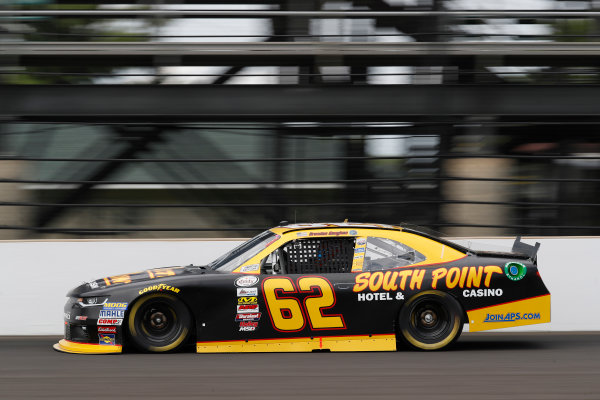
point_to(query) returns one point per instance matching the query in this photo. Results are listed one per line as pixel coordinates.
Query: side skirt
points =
(381, 342)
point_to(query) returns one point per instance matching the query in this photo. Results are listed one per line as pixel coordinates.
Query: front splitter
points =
(67, 346)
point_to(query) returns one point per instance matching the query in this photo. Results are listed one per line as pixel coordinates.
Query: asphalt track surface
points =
(482, 366)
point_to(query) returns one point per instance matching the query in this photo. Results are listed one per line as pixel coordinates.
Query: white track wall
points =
(36, 275)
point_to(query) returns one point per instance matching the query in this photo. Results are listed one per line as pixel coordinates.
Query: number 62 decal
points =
(289, 314)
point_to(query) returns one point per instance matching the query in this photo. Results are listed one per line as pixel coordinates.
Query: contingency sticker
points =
(359, 254)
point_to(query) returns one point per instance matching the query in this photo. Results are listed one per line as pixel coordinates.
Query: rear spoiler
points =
(524, 248)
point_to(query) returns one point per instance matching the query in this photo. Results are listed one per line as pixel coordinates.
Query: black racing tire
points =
(159, 323)
(430, 320)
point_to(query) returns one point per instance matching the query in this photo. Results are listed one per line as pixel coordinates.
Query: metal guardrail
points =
(185, 13)
(257, 49)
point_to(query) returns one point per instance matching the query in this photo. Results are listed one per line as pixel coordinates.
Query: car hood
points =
(150, 275)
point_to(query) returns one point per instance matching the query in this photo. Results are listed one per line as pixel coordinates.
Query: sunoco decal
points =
(107, 339)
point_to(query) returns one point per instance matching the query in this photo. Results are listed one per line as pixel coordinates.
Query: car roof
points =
(285, 228)
(329, 225)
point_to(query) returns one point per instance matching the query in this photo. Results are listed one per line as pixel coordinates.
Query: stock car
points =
(310, 287)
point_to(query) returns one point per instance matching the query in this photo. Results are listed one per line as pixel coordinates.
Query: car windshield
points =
(236, 257)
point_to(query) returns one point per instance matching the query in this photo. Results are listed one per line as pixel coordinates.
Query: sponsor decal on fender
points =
(81, 317)
(247, 300)
(110, 321)
(515, 271)
(250, 268)
(248, 326)
(107, 329)
(112, 314)
(248, 317)
(482, 292)
(392, 280)
(251, 291)
(115, 306)
(107, 339)
(247, 308)
(246, 281)
(160, 288)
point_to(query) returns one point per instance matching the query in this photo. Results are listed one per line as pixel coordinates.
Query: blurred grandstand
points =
(217, 118)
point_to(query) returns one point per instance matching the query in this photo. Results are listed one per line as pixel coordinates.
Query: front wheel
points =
(158, 323)
(430, 320)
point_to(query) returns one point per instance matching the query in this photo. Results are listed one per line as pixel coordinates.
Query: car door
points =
(309, 290)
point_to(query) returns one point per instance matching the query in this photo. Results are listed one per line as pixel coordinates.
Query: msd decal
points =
(248, 326)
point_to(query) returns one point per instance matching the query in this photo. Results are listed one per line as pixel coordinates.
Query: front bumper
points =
(83, 335)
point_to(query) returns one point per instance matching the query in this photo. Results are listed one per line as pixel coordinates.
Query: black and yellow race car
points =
(304, 287)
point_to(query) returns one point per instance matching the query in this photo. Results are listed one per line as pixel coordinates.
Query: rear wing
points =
(526, 249)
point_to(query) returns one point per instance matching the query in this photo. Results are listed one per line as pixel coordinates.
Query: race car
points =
(310, 287)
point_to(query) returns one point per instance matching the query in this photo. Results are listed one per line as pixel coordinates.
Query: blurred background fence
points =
(200, 118)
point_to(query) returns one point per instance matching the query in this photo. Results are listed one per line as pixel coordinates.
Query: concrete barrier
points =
(36, 275)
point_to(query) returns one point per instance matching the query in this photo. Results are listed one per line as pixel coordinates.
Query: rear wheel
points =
(430, 320)
(159, 323)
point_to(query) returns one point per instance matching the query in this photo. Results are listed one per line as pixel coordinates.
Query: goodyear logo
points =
(159, 288)
(247, 300)
(115, 306)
